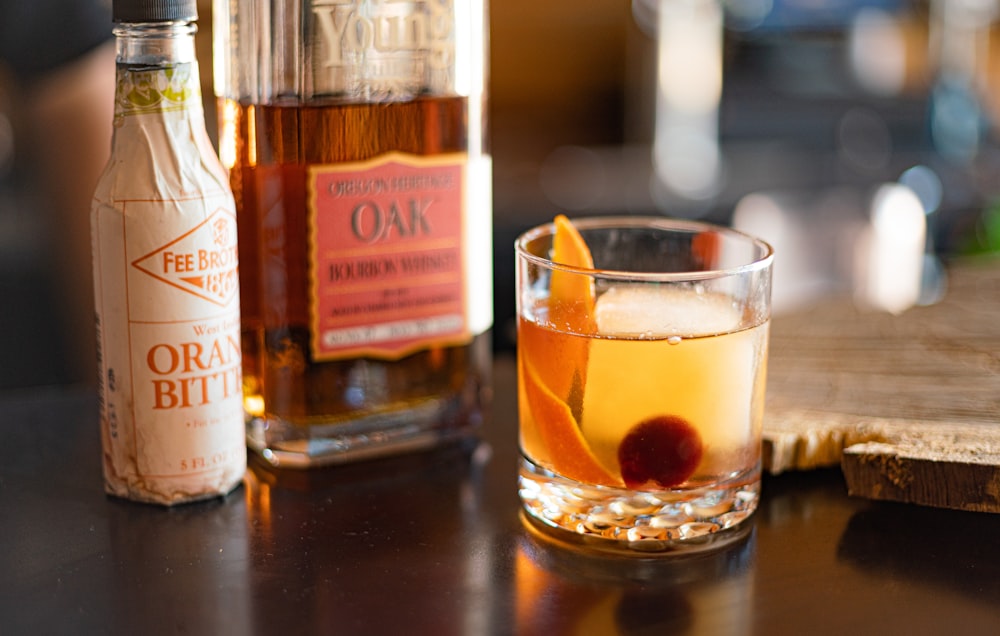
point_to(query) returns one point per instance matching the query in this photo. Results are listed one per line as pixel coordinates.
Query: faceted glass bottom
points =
(639, 523)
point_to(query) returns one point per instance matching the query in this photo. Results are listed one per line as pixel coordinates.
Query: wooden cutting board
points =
(907, 405)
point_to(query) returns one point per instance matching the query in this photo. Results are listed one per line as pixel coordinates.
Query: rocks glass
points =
(641, 379)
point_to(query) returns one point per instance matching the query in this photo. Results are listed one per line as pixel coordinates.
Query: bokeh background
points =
(859, 136)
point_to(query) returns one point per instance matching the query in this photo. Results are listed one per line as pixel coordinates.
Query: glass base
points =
(637, 523)
(421, 427)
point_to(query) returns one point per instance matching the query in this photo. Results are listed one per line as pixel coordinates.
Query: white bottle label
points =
(165, 266)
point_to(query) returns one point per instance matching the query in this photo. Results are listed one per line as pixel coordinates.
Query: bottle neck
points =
(155, 43)
(157, 71)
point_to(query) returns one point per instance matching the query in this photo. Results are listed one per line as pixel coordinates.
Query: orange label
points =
(202, 261)
(386, 255)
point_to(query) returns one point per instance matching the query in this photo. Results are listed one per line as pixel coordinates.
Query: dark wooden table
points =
(432, 544)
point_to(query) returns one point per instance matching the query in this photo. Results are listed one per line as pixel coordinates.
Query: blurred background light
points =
(802, 269)
(926, 184)
(686, 155)
(877, 48)
(889, 258)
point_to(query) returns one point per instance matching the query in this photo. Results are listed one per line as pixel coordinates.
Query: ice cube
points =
(657, 311)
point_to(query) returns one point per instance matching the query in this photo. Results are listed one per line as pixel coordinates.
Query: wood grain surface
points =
(908, 404)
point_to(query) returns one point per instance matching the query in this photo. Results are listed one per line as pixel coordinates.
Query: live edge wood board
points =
(908, 405)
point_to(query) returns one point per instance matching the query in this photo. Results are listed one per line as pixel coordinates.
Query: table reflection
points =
(884, 539)
(565, 591)
(327, 533)
(171, 557)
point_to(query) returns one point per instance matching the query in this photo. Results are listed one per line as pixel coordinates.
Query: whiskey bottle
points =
(354, 132)
(165, 260)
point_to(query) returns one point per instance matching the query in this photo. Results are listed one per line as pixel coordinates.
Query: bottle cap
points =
(154, 10)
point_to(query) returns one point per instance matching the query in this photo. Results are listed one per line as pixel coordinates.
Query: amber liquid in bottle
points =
(301, 403)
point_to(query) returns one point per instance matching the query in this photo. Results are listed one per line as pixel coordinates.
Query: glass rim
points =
(658, 222)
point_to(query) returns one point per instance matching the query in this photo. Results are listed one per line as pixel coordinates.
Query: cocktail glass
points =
(642, 357)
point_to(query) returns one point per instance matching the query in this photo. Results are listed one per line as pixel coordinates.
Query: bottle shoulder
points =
(163, 156)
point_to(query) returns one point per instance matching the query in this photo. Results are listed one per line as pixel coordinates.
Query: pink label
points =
(386, 256)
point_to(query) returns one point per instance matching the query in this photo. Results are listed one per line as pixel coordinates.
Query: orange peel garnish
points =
(557, 430)
(571, 295)
(706, 246)
(561, 359)
(528, 435)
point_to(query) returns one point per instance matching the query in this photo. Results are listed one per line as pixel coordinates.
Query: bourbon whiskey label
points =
(388, 273)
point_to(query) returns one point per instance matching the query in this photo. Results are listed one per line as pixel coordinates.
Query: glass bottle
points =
(355, 136)
(164, 237)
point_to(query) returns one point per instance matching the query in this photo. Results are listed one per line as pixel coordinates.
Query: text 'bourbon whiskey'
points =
(358, 161)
